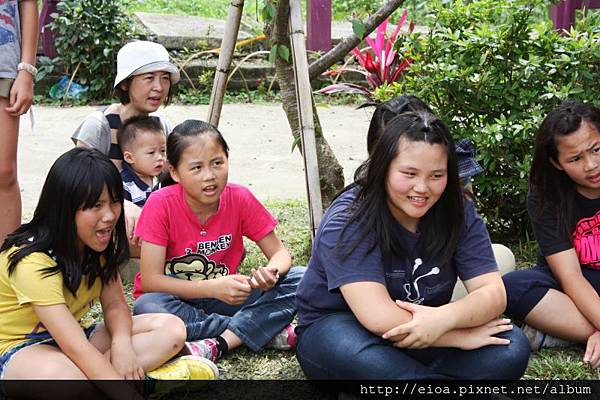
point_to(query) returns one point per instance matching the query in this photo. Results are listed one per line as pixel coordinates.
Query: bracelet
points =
(23, 66)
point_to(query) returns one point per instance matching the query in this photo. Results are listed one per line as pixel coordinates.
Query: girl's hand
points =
(480, 336)
(124, 360)
(426, 326)
(592, 350)
(21, 94)
(232, 289)
(264, 278)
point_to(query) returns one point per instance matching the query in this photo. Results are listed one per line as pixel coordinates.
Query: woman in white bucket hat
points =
(143, 83)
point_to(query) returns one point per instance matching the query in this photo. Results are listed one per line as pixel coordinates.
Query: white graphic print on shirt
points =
(413, 292)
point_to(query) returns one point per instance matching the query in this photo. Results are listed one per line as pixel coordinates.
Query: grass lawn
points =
(341, 9)
(202, 8)
(294, 231)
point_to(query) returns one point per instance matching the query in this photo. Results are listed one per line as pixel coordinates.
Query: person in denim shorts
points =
(18, 43)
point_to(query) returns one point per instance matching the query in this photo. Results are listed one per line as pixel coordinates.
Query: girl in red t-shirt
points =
(192, 244)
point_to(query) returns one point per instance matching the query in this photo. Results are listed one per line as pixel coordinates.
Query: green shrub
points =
(342, 8)
(89, 33)
(492, 74)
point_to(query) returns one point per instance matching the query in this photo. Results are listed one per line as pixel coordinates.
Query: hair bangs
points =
(181, 136)
(91, 182)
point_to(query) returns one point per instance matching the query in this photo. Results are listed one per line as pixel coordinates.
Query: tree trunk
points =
(330, 171)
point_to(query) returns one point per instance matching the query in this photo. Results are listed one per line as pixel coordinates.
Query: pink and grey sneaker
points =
(540, 340)
(206, 348)
(284, 340)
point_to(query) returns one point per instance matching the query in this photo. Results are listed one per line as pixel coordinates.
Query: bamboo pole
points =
(305, 112)
(232, 27)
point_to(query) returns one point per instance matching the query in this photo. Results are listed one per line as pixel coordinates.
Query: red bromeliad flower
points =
(381, 63)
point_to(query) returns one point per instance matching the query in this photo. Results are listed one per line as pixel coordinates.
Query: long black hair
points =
(545, 180)
(75, 182)
(443, 223)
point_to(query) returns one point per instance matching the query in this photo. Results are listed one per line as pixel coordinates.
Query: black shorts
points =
(525, 288)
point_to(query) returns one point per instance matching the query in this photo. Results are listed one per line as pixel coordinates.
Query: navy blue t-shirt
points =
(409, 279)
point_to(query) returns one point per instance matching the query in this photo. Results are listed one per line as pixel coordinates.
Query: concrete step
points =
(177, 32)
(253, 71)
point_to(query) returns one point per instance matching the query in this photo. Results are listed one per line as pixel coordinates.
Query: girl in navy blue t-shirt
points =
(374, 302)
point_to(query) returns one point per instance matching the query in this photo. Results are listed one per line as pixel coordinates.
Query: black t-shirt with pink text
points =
(585, 237)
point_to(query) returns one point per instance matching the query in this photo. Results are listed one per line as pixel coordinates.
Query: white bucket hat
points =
(141, 57)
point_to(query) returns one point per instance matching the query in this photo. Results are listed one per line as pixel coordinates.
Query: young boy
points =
(142, 141)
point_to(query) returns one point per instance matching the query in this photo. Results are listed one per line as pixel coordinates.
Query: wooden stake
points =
(227, 47)
(305, 112)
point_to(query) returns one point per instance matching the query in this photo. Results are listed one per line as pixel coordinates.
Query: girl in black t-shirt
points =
(559, 297)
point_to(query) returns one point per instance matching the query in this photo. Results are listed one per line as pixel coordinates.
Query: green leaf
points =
(271, 9)
(358, 27)
(273, 54)
(283, 52)
(296, 143)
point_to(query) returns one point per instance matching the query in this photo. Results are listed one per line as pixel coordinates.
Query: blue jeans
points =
(256, 322)
(337, 346)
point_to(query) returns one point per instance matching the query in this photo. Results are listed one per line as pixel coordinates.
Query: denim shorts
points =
(5, 358)
(5, 85)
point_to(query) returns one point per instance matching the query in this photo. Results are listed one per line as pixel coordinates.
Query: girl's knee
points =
(58, 371)
(176, 327)
(354, 340)
(8, 175)
(512, 284)
(51, 367)
(171, 328)
(294, 275)
(176, 330)
(512, 362)
(511, 277)
(166, 321)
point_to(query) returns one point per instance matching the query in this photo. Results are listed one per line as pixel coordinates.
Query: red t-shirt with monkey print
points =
(196, 251)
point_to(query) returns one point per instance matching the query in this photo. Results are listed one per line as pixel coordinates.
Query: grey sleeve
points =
(166, 125)
(94, 132)
(164, 122)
